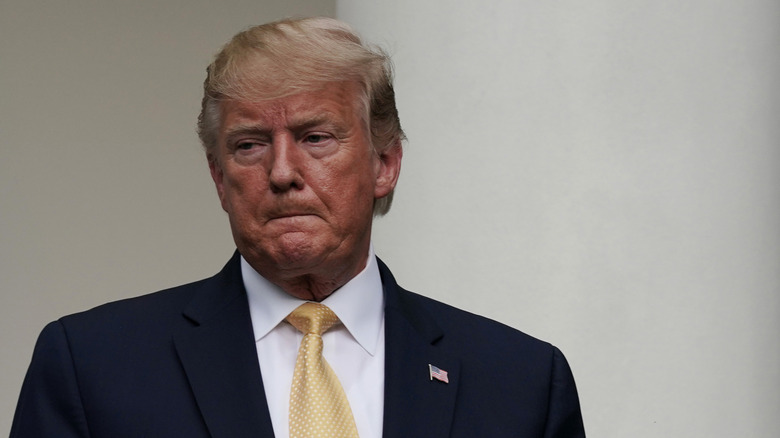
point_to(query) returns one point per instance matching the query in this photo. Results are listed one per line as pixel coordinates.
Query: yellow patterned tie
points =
(318, 405)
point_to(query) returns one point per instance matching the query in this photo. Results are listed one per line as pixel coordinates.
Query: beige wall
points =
(605, 175)
(104, 192)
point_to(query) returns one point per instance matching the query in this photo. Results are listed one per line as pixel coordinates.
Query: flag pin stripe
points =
(438, 374)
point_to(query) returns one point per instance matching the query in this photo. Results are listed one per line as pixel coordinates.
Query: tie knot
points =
(313, 318)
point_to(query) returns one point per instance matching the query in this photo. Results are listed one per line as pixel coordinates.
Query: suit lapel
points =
(219, 357)
(415, 405)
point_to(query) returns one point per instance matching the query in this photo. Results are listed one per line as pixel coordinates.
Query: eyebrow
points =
(246, 129)
(295, 125)
(310, 121)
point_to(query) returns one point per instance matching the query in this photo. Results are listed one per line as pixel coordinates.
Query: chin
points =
(293, 251)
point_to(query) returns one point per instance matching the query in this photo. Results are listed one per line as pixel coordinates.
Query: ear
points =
(218, 176)
(387, 169)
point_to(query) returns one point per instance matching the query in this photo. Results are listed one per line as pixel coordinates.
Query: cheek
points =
(348, 183)
(241, 189)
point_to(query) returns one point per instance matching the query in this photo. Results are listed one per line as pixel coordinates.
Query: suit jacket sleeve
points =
(50, 403)
(564, 419)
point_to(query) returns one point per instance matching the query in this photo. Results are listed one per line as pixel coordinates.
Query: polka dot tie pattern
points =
(318, 404)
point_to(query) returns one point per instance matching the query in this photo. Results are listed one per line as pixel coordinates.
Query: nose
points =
(285, 172)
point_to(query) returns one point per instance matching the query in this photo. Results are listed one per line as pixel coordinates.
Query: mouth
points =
(291, 216)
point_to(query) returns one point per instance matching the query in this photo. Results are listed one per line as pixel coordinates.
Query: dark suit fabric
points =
(182, 363)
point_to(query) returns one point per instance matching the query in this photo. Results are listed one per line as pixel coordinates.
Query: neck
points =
(314, 285)
(311, 288)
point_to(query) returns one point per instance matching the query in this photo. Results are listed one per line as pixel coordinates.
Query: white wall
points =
(603, 175)
(104, 192)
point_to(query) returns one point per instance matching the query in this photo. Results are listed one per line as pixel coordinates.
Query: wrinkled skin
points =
(298, 177)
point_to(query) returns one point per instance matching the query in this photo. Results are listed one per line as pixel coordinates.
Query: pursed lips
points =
(290, 215)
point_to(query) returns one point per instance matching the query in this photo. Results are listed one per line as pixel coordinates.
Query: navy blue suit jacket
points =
(182, 363)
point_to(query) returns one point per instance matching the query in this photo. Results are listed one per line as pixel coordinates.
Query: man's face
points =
(298, 177)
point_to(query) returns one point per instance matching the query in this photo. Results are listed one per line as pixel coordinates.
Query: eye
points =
(245, 145)
(316, 138)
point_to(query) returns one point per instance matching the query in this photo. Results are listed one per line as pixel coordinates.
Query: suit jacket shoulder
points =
(180, 362)
(502, 382)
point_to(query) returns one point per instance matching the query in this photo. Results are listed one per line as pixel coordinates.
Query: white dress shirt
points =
(355, 350)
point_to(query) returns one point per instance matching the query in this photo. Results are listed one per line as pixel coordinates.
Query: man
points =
(303, 142)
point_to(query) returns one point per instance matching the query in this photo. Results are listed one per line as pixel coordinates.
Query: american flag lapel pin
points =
(438, 374)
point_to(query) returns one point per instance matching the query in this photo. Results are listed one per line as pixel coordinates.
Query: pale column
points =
(603, 175)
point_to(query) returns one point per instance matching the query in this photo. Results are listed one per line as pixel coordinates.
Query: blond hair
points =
(286, 57)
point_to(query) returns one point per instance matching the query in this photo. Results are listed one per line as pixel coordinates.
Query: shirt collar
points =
(359, 304)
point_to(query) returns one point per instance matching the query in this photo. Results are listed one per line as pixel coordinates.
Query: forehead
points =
(331, 100)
